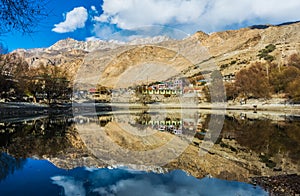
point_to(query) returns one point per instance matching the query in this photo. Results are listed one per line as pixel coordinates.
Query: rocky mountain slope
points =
(120, 64)
(235, 49)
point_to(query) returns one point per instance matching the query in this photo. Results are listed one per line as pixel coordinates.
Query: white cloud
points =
(93, 8)
(74, 19)
(103, 30)
(132, 14)
(224, 13)
(107, 31)
(92, 38)
(193, 15)
(176, 183)
(94, 11)
(130, 182)
(71, 186)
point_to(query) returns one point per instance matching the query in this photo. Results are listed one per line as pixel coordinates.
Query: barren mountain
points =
(120, 64)
(234, 49)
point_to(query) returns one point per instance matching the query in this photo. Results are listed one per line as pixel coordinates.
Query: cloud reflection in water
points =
(108, 182)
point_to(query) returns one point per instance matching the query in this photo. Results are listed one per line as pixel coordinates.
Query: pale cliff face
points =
(229, 50)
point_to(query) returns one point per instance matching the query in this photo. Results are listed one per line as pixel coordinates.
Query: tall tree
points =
(12, 70)
(231, 91)
(142, 97)
(280, 79)
(49, 80)
(253, 82)
(293, 90)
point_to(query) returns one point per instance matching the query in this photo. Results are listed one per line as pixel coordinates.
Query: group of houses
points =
(175, 87)
(176, 127)
(98, 94)
(165, 88)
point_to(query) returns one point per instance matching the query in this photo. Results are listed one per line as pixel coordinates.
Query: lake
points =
(147, 152)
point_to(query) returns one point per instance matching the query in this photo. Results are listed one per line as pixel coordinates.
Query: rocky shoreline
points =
(27, 109)
(279, 185)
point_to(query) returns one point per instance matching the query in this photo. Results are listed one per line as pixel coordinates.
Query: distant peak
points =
(200, 35)
(91, 45)
(265, 26)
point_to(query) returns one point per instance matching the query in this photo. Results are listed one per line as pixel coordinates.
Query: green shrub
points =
(233, 62)
(264, 53)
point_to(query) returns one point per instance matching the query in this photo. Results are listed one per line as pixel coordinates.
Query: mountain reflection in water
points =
(37, 177)
(247, 146)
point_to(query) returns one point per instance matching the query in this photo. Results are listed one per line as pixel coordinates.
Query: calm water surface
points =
(31, 148)
(40, 177)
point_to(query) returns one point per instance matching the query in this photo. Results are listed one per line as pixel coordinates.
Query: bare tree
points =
(12, 69)
(50, 81)
(253, 82)
(21, 15)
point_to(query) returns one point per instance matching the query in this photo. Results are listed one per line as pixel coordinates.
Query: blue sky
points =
(97, 19)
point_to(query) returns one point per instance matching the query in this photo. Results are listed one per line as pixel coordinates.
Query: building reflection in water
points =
(272, 140)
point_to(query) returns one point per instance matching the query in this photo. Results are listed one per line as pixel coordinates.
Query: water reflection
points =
(248, 145)
(127, 182)
(9, 164)
(273, 140)
(135, 137)
(35, 137)
(121, 181)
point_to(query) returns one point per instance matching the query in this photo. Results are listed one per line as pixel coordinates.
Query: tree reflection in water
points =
(44, 136)
(264, 136)
(9, 164)
(272, 141)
